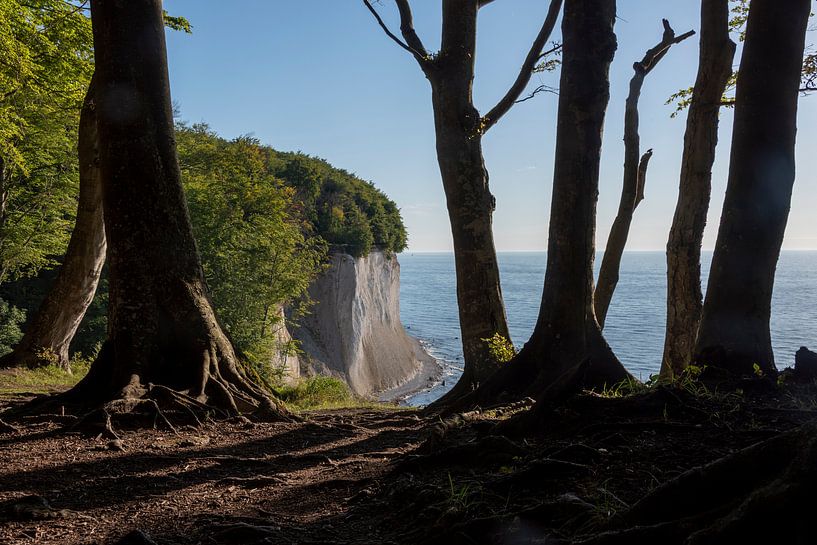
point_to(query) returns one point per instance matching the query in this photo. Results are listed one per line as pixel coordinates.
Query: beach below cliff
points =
(428, 373)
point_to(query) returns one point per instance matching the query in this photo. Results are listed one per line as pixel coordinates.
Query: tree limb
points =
(540, 89)
(522, 80)
(413, 44)
(642, 176)
(632, 191)
(657, 53)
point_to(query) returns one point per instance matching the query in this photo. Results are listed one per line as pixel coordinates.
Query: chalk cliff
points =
(354, 332)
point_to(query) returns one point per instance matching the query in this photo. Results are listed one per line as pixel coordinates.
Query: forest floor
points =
(374, 476)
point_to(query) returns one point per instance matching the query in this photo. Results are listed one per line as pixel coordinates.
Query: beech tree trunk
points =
(684, 298)
(734, 333)
(61, 312)
(567, 336)
(459, 130)
(164, 344)
(635, 173)
(469, 200)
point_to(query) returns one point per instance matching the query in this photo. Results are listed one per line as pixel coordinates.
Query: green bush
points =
(11, 318)
(318, 392)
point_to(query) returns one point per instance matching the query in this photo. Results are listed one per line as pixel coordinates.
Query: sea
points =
(635, 321)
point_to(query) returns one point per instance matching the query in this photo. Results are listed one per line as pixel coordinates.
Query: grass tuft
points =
(321, 392)
(42, 380)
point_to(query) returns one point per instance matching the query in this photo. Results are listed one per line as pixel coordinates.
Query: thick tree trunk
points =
(635, 172)
(567, 336)
(684, 298)
(470, 203)
(51, 330)
(164, 342)
(734, 332)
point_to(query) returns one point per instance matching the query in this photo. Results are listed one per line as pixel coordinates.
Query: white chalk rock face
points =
(285, 359)
(353, 330)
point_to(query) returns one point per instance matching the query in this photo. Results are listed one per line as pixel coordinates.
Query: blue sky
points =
(320, 76)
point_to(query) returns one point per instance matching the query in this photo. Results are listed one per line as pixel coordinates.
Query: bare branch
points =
(407, 29)
(657, 53)
(420, 54)
(522, 80)
(540, 89)
(551, 51)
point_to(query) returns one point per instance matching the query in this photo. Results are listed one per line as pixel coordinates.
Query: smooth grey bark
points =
(684, 297)
(49, 333)
(632, 191)
(734, 333)
(459, 129)
(164, 343)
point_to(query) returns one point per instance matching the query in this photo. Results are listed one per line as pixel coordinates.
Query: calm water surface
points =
(635, 321)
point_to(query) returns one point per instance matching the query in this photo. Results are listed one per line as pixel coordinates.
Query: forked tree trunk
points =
(635, 173)
(734, 332)
(567, 336)
(684, 298)
(50, 332)
(459, 130)
(164, 342)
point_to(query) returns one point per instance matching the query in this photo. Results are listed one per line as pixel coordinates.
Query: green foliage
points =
(11, 318)
(626, 388)
(45, 70)
(341, 208)
(177, 23)
(737, 23)
(500, 348)
(550, 59)
(254, 251)
(318, 392)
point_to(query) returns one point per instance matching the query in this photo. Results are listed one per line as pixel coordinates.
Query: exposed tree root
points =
(526, 377)
(7, 428)
(760, 494)
(226, 394)
(30, 508)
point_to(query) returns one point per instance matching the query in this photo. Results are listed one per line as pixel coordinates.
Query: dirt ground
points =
(372, 476)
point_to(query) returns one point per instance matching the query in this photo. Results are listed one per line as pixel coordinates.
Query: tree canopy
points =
(45, 69)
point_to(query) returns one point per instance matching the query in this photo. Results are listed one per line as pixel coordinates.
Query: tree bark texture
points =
(734, 333)
(459, 130)
(684, 298)
(164, 342)
(632, 191)
(469, 200)
(50, 332)
(567, 336)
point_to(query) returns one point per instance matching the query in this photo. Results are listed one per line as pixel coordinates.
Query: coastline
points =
(427, 375)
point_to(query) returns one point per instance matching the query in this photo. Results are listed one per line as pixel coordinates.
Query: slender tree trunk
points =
(734, 332)
(164, 342)
(59, 315)
(469, 200)
(684, 298)
(459, 130)
(632, 191)
(567, 336)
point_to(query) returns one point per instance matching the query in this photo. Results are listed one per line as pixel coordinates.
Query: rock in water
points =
(805, 364)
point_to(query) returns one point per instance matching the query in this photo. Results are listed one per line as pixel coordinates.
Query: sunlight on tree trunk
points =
(734, 333)
(684, 298)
